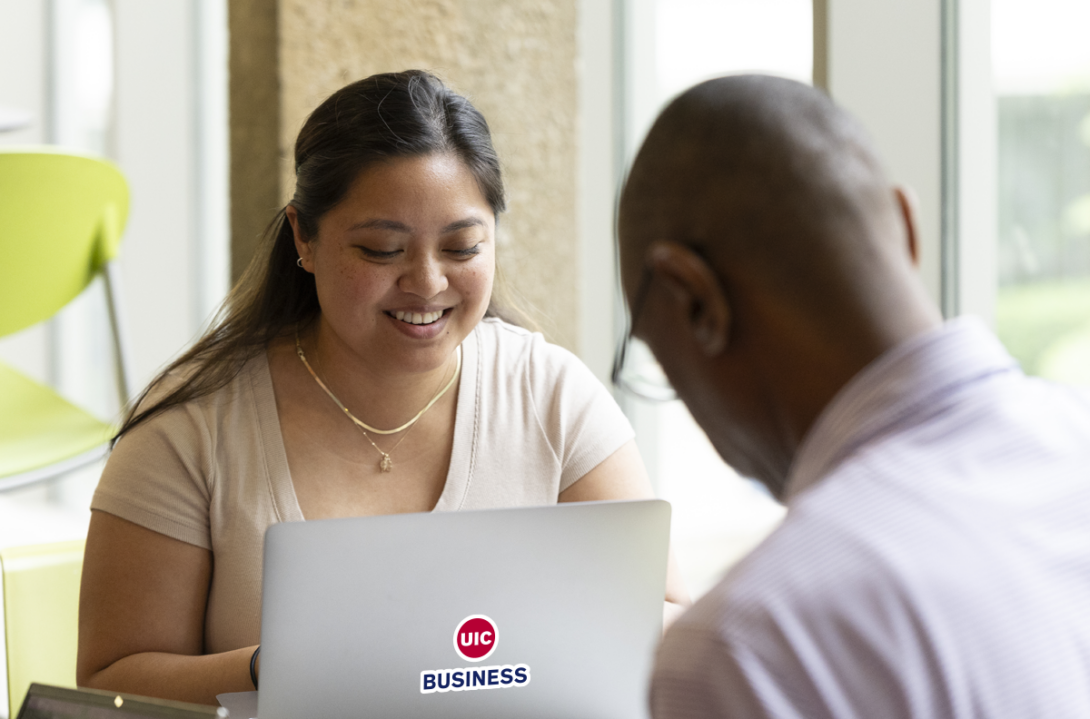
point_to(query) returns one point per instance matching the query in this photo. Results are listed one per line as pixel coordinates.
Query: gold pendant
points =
(386, 464)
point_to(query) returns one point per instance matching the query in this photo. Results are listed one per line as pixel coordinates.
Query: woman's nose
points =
(424, 277)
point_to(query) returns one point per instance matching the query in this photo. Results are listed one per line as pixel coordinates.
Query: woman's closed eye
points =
(465, 252)
(373, 254)
(460, 251)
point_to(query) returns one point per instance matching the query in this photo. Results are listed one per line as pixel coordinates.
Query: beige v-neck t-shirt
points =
(531, 420)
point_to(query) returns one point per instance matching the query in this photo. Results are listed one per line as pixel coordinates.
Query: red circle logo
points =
(475, 638)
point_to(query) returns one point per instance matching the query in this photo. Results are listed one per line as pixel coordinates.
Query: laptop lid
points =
(49, 702)
(516, 613)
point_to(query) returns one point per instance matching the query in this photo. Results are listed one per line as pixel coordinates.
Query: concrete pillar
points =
(254, 86)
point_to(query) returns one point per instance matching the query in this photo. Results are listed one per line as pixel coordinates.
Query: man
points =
(935, 557)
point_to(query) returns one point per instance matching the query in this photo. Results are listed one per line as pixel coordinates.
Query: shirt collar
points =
(913, 377)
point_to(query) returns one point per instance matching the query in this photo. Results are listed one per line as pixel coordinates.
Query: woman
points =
(356, 370)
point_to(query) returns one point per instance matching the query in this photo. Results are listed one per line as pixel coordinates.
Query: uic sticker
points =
(476, 637)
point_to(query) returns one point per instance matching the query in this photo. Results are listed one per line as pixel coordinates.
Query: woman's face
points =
(404, 263)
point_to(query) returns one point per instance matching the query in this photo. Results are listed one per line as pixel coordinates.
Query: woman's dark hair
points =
(392, 115)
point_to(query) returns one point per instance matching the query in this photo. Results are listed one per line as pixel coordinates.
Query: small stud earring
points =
(299, 263)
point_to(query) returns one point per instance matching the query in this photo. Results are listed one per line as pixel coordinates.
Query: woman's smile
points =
(420, 325)
(420, 317)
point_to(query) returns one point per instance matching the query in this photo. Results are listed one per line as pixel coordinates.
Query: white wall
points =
(23, 70)
(978, 170)
(884, 66)
(154, 141)
(598, 174)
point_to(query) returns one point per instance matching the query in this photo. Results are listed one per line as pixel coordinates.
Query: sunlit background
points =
(1041, 66)
(102, 94)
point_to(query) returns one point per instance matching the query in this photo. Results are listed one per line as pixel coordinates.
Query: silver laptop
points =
(508, 613)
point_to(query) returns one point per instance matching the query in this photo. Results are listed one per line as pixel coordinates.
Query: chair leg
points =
(112, 280)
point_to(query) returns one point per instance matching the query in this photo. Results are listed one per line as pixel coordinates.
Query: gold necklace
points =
(385, 464)
(359, 422)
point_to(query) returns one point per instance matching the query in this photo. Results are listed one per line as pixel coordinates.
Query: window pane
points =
(1041, 65)
(718, 516)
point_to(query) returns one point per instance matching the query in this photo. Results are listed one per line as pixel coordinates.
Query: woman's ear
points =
(697, 293)
(302, 245)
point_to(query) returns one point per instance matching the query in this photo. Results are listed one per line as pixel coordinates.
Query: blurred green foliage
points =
(1046, 326)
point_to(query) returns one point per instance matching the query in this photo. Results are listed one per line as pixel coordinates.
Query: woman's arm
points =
(623, 476)
(141, 617)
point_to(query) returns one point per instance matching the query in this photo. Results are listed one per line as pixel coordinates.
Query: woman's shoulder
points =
(514, 345)
(510, 353)
(207, 406)
(536, 389)
(503, 331)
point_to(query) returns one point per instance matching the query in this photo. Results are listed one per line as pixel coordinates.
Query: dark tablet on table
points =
(47, 702)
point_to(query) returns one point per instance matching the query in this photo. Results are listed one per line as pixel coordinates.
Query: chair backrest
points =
(63, 215)
(41, 615)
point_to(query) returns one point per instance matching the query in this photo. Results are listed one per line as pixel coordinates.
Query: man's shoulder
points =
(749, 643)
(838, 558)
(765, 635)
(827, 533)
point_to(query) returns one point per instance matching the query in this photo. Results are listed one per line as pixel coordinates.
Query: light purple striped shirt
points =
(934, 561)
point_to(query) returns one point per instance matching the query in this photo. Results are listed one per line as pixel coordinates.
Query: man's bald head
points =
(773, 260)
(763, 172)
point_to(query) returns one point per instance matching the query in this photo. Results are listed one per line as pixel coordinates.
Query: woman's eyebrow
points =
(378, 224)
(395, 226)
(463, 224)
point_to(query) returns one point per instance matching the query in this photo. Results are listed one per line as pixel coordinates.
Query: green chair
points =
(40, 616)
(63, 215)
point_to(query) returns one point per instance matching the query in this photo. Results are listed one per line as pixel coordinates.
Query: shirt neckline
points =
(459, 472)
(916, 376)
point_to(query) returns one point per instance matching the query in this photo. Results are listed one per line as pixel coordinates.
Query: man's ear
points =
(909, 203)
(302, 245)
(692, 284)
